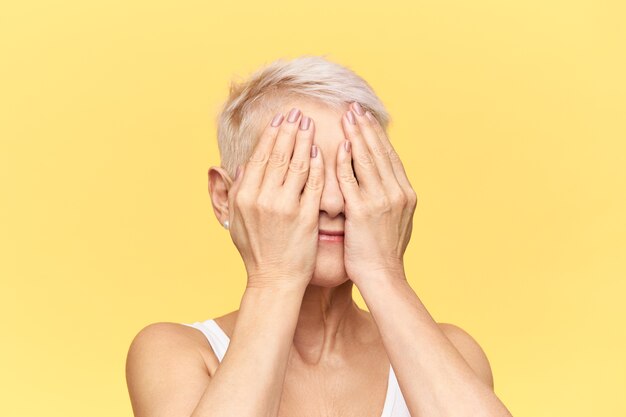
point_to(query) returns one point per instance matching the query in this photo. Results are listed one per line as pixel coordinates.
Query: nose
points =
(331, 202)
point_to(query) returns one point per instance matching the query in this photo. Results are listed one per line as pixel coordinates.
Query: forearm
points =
(435, 378)
(249, 381)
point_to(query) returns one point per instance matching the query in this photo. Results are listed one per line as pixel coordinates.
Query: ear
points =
(219, 184)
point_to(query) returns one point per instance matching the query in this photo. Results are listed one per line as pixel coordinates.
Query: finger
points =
(280, 155)
(376, 147)
(396, 163)
(255, 166)
(312, 194)
(345, 174)
(364, 164)
(300, 161)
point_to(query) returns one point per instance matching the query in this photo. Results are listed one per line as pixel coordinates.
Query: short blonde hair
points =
(250, 102)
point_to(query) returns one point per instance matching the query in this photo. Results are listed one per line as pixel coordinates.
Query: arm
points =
(249, 381)
(273, 210)
(166, 374)
(435, 378)
(471, 351)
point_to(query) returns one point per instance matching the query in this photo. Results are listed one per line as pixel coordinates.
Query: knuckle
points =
(347, 177)
(380, 151)
(283, 211)
(314, 183)
(263, 204)
(365, 159)
(288, 211)
(384, 203)
(400, 199)
(412, 198)
(393, 155)
(298, 166)
(397, 197)
(277, 159)
(257, 158)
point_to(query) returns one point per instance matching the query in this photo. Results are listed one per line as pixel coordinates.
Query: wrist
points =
(379, 278)
(277, 281)
(271, 302)
(276, 289)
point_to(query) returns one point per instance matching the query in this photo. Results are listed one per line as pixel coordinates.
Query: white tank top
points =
(395, 406)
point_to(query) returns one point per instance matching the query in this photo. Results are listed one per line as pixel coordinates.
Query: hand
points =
(273, 222)
(379, 201)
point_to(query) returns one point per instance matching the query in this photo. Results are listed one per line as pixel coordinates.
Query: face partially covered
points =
(329, 134)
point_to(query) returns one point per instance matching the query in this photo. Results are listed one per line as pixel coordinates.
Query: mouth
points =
(330, 235)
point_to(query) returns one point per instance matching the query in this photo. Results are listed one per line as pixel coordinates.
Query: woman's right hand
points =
(274, 204)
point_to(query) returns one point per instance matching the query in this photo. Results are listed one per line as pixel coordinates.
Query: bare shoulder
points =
(471, 351)
(166, 372)
(163, 333)
(166, 339)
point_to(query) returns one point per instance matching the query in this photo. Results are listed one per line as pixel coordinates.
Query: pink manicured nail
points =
(369, 115)
(350, 116)
(293, 115)
(277, 119)
(313, 151)
(358, 108)
(305, 122)
(238, 172)
(347, 145)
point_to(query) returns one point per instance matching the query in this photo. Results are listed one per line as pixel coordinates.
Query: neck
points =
(328, 321)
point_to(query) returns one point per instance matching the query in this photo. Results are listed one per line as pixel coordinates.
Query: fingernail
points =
(313, 151)
(369, 115)
(350, 116)
(347, 145)
(304, 123)
(238, 172)
(358, 108)
(293, 115)
(277, 119)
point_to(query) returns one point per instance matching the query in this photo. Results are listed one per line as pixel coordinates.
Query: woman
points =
(315, 200)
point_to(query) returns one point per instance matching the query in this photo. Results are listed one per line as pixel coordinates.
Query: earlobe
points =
(219, 185)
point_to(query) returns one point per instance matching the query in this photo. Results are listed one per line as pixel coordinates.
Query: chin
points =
(329, 271)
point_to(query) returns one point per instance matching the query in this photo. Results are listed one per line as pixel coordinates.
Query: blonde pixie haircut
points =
(252, 102)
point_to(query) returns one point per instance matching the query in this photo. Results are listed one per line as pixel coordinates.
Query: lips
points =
(330, 236)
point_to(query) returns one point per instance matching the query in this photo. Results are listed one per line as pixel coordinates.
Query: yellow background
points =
(509, 116)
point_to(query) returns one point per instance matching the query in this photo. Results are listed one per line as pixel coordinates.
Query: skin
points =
(298, 329)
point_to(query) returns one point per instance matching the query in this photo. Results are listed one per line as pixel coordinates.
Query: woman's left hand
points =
(379, 202)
